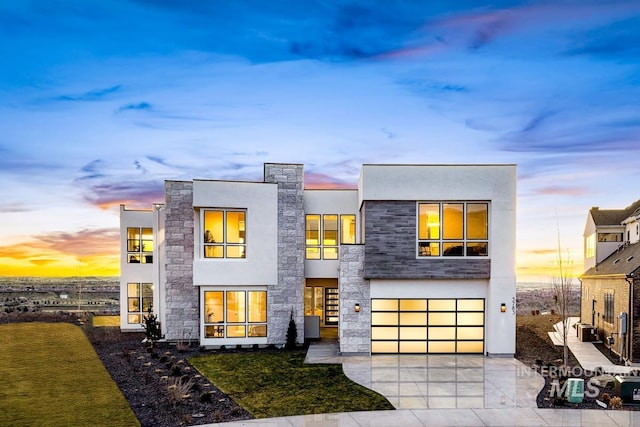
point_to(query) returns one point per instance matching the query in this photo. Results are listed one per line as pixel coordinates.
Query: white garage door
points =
(427, 325)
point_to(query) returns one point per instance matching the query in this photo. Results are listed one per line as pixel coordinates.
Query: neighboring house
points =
(611, 285)
(417, 259)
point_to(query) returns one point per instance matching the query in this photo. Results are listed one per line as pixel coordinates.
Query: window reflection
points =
(235, 314)
(464, 225)
(224, 234)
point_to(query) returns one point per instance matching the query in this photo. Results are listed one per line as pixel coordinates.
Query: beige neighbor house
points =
(416, 259)
(610, 299)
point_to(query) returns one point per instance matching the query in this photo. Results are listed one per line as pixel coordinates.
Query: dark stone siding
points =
(390, 247)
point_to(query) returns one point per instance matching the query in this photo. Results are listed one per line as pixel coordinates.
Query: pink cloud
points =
(561, 191)
(319, 181)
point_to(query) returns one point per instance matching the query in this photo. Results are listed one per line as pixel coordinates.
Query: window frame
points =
(460, 247)
(219, 330)
(138, 301)
(210, 247)
(321, 250)
(135, 246)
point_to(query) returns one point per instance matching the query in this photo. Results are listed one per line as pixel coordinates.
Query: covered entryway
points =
(453, 326)
(321, 302)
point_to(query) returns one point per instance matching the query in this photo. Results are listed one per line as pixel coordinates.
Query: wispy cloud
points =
(92, 95)
(13, 207)
(138, 194)
(616, 39)
(138, 106)
(557, 190)
(104, 241)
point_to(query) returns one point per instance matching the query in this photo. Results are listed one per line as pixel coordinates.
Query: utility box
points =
(628, 388)
(586, 332)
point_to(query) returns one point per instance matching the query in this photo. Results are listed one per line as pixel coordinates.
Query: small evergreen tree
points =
(152, 328)
(292, 334)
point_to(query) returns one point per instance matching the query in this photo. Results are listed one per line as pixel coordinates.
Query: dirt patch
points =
(535, 349)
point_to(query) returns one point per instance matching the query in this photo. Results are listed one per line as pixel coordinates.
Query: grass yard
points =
(52, 377)
(105, 321)
(280, 384)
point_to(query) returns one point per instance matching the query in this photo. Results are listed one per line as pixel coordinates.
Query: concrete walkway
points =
(454, 417)
(445, 391)
(589, 357)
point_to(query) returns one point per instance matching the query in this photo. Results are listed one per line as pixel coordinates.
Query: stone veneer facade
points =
(181, 296)
(287, 295)
(355, 328)
(390, 247)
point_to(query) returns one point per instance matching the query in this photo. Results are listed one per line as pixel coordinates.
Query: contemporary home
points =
(611, 285)
(417, 259)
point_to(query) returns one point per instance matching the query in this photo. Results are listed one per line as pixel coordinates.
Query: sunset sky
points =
(102, 100)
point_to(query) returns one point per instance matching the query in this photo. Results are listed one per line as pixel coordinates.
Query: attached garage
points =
(437, 325)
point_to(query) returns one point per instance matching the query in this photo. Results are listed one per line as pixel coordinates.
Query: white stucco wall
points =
(329, 202)
(493, 183)
(260, 267)
(135, 273)
(632, 230)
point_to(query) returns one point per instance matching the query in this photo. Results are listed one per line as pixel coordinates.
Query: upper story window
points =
(139, 245)
(453, 229)
(224, 233)
(609, 237)
(325, 232)
(590, 246)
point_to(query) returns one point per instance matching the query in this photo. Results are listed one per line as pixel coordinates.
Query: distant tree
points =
(561, 284)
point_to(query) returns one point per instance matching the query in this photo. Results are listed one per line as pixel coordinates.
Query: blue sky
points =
(100, 101)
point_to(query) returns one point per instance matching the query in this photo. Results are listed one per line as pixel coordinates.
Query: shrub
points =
(292, 333)
(615, 402)
(176, 371)
(178, 390)
(152, 327)
(206, 397)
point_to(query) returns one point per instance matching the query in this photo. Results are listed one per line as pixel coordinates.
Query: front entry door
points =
(331, 306)
(323, 302)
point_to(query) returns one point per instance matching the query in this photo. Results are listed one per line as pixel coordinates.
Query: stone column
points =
(288, 293)
(181, 296)
(355, 327)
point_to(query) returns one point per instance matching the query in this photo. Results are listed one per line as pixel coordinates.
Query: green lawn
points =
(280, 384)
(101, 321)
(51, 376)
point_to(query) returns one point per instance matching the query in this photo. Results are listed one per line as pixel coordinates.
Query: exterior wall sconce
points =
(503, 308)
(356, 308)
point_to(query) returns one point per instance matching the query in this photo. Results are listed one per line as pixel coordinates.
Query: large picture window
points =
(139, 301)
(139, 245)
(224, 233)
(324, 233)
(235, 314)
(457, 229)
